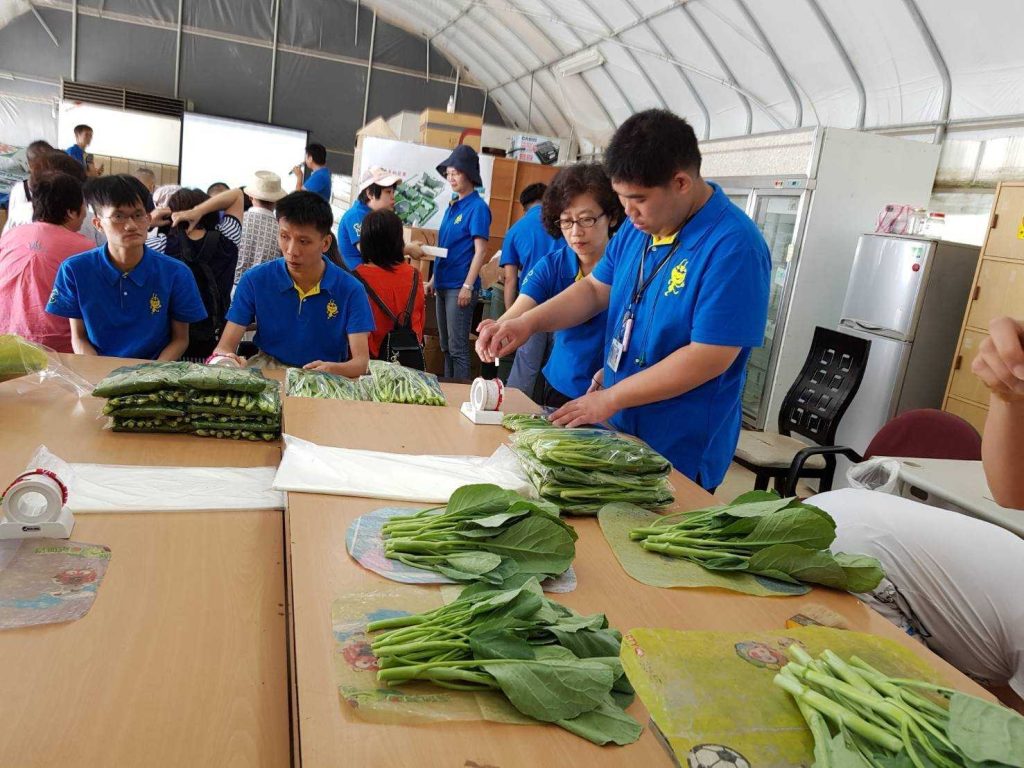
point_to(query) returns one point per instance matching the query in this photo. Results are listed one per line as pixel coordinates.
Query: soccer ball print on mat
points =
(715, 756)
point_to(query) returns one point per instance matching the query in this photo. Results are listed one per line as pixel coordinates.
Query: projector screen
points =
(121, 133)
(231, 151)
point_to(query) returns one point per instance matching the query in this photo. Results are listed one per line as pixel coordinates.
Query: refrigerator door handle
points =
(867, 326)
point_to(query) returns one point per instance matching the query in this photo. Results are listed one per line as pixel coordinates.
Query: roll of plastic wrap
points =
(487, 394)
(35, 497)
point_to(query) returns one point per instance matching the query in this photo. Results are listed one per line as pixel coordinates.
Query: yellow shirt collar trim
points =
(668, 240)
(311, 292)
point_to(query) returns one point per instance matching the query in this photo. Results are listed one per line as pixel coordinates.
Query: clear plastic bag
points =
(591, 449)
(877, 474)
(35, 364)
(151, 377)
(393, 383)
(319, 384)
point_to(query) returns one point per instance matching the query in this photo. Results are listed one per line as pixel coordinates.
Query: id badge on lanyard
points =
(620, 344)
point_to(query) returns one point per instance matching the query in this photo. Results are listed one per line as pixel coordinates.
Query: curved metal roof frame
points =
(739, 66)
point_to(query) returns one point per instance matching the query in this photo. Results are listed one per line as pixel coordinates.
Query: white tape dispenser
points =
(485, 399)
(35, 506)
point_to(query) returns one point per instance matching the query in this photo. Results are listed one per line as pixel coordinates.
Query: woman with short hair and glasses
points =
(580, 206)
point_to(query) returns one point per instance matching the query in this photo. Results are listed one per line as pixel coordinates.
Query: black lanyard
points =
(638, 289)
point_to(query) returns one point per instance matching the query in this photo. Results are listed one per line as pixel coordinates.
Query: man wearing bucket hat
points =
(464, 231)
(376, 192)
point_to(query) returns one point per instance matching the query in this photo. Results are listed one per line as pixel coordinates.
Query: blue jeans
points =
(529, 359)
(453, 327)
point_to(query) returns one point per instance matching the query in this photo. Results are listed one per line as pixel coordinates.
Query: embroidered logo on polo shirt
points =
(54, 296)
(677, 278)
(358, 228)
(332, 309)
(154, 304)
(458, 219)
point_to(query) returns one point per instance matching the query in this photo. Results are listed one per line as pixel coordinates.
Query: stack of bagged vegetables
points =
(862, 718)
(386, 383)
(761, 534)
(485, 534)
(581, 470)
(552, 664)
(190, 398)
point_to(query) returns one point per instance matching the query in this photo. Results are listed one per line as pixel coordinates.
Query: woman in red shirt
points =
(384, 270)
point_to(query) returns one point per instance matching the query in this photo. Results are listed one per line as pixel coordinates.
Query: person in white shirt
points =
(951, 580)
(19, 202)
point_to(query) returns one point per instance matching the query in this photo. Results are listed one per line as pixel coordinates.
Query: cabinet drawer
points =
(1004, 239)
(1000, 291)
(975, 414)
(965, 385)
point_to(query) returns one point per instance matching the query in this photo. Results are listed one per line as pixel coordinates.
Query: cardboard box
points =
(535, 149)
(447, 138)
(432, 355)
(440, 118)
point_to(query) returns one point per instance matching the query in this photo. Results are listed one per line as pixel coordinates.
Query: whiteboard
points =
(121, 132)
(231, 151)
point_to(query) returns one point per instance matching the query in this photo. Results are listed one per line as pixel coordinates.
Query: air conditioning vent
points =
(120, 98)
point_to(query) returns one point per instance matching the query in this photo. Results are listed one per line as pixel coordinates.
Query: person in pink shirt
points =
(30, 256)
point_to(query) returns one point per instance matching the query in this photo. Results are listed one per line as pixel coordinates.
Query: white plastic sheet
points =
(117, 488)
(310, 468)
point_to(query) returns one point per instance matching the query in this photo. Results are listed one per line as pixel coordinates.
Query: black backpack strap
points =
(201, 260)
(376, 299)
(407, 322)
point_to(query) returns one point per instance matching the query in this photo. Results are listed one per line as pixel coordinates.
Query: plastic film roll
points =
(487, 394)
(35, 497)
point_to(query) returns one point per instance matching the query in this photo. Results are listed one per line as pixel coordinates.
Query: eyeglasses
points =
(585, 222)
(119, 219)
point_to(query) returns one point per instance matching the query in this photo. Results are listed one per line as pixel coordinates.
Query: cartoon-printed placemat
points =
(712, 697)
(365, 544)
(46, 581)
(658, 570)
(355, 667)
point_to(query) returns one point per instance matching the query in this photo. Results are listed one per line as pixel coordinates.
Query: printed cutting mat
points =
(712, 697)
(658, 570)
(365, 543)
(47, 581)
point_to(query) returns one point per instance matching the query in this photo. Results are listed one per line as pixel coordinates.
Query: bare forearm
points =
(174, 350)
(682, 371)
(519, 307)
(1003, 451)
(479, 257)
(570, 308)
(511, 284)
(82, 346)
(229, 339)
(222, 201)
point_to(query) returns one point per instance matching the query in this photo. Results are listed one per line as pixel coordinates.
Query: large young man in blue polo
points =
(309, 313)
(685, 282)
(124, 299)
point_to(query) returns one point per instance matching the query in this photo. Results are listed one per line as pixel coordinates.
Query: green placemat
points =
(657, 570)
(712, 697)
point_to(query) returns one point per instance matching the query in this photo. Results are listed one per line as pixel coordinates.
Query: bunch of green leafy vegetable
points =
(552, 664)
(862, 718)
(485, 533)
(581, 470)
(514, 422)
(759, 533)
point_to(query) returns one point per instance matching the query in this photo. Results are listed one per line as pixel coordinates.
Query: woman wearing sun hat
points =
(464, 231)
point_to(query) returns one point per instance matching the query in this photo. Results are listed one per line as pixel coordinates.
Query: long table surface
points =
(182, 659)
(329, 731)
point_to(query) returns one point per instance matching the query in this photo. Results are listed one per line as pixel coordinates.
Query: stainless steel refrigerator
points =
(907, 295)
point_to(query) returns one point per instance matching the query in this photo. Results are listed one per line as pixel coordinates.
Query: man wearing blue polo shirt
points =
(124, 299)
(319, 180)
(308, 312)
(525, 244)
(685, 282)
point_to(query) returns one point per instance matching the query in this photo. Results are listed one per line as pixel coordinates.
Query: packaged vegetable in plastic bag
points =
(877, 474)
(591, 449)
(221, 379)
(514, 422)
(35, 363)
(266, 402)
(141, 378)
(302, 383)
(393, 383)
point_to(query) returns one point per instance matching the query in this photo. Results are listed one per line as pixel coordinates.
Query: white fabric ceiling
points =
(733, 66)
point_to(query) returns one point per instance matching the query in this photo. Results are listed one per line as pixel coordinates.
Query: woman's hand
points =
(190, 217)
(1000, 360)
(465, 296)
(428, 288)
(597, 382)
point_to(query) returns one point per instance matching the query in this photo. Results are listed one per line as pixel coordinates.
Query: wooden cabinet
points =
(998, 290)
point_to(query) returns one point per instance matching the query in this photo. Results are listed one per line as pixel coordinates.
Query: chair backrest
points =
(927, 434)
(825, 387)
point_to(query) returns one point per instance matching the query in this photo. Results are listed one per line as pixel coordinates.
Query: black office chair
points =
(830, 378)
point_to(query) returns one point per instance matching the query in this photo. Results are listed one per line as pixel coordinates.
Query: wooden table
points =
(182, 660)
(329, 733)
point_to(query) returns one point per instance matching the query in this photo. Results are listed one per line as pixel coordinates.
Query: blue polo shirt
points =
(76, 152)
(126, 314)
(714, 290)
(526, 243)
(349, 232)
(463, 222)
(319, 181)
(300, 330)
(577, 353)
